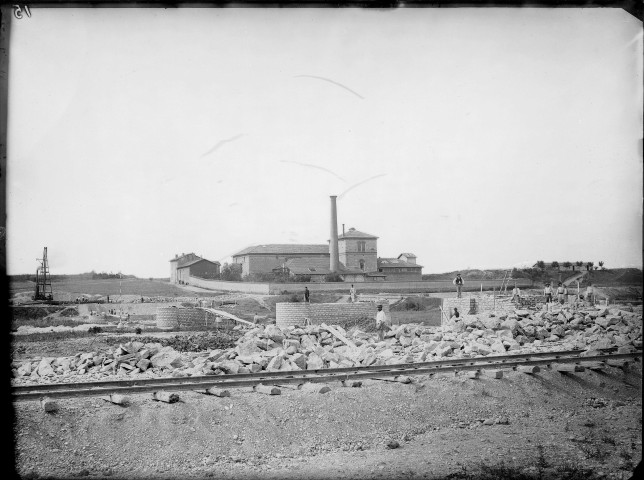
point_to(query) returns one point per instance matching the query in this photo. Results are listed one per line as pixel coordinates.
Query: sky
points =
(471, 137)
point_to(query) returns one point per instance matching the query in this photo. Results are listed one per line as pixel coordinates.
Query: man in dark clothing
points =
(306, 294)
(458, 281)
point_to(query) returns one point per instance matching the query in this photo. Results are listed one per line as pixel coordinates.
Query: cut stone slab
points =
(473, 374)
(267, 389)
(494, 373)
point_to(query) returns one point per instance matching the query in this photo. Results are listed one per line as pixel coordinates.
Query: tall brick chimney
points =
(333, 244)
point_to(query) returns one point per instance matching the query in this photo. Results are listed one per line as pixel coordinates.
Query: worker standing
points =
(306, 294)
(256, 318)
(458, 281)
(561, 293)
(516, 295)
(352, 294)
(547, 292)
(590, 294)
(381, 323)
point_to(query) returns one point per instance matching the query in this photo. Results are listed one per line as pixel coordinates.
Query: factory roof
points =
(284, 249)
(408, 255)
(353, 233)
(395, 262)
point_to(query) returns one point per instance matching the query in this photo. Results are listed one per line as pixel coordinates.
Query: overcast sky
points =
(495, 136)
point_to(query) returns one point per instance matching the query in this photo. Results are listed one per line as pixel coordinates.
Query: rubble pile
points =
(270, 348)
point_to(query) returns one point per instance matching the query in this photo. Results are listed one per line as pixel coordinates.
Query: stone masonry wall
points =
(477, 304)
(330, 313)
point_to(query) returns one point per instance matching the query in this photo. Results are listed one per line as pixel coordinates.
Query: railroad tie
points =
(617, 363)
(167, 397)
(568, 368)
(315, 388)
(595, 366)
(218, 392)
(530, 369)
(267, 389)
(48, 405)
(117, 399)
(352, 383)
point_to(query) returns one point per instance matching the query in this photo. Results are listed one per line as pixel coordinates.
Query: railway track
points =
(82, 389)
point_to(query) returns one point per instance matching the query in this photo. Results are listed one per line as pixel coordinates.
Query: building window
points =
(361, 265)
(380, 270)
(362, 246)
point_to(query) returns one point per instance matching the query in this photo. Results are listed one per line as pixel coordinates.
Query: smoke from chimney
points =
(333, 244)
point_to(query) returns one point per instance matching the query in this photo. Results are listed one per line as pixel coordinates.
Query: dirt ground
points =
(587, 423)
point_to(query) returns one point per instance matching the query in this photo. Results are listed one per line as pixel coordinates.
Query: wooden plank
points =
(337, 335)
(225, 314)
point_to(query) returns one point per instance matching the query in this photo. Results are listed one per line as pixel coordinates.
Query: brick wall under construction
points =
(473, 305)
(295, 313)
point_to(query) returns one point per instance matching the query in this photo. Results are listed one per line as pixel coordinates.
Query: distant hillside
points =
(617, 276)
(612, 276)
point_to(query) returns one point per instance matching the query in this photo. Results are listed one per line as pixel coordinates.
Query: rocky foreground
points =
(271, 348)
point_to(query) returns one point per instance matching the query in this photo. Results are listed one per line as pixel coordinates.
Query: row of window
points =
(399, 269)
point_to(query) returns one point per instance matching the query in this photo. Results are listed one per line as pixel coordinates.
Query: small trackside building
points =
(187, 265)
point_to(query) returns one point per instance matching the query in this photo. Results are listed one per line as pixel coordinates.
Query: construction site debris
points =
(317, 347)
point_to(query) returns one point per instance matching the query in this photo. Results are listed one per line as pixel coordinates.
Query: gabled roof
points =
(183, 259)
(353, 233)
(284, 249)
(191, 263)
(395, 262)
(408, 255)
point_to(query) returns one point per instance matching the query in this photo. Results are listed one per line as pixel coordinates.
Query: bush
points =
(333, 277)
(294, 298)
(302, 278)
(138, 330)
(94, 330)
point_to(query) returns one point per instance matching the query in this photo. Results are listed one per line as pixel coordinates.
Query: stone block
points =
(143, 364)
(167, 357)
(275, 364)
(48, 405)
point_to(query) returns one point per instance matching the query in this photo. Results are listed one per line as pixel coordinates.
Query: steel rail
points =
(245, 376)
(300, 376)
